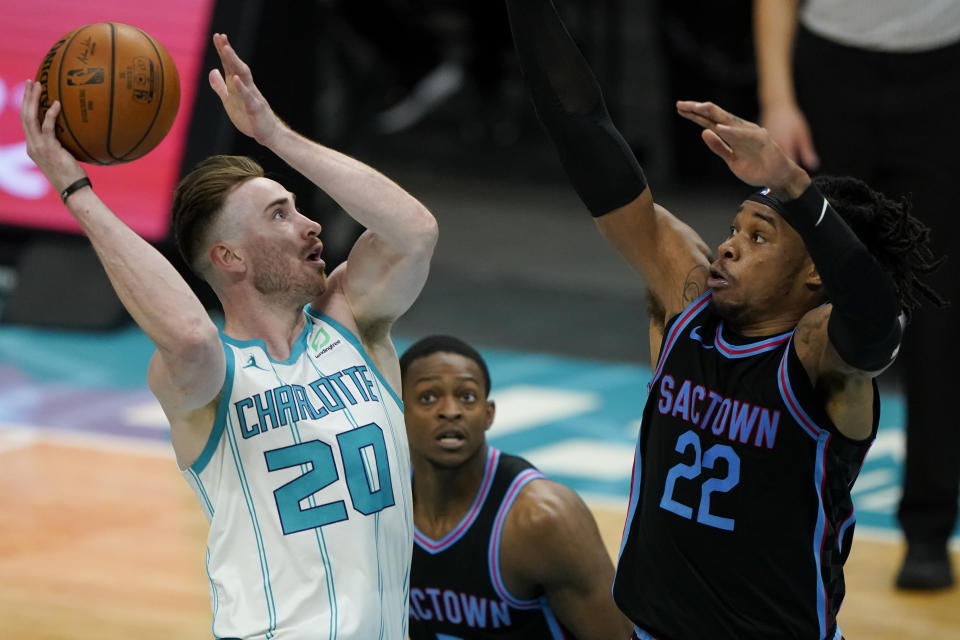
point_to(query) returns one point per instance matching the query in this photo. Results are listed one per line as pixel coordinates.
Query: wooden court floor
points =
(107, 543)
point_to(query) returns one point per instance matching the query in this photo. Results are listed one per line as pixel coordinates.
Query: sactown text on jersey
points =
(706, 408)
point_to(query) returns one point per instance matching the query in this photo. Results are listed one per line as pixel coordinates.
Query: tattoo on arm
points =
(808, 332)
(694, 285)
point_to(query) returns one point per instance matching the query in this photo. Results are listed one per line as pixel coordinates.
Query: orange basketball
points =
(119, 89)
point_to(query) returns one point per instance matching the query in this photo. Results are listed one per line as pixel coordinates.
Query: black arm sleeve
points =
(864, 325)
(570, 107)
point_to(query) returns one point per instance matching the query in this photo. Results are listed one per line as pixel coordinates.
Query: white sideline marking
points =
(146, 414)
(525, 406)
(85, 440)
(584, 459)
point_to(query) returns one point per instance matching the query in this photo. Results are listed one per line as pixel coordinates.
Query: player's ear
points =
(491, 410)
(813, 280)
(226, 257)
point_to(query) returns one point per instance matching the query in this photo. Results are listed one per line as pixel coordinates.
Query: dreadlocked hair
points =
(896, 239)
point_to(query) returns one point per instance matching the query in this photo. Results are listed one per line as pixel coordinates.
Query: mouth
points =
(450, 439)
(314, 256)
(717, 278)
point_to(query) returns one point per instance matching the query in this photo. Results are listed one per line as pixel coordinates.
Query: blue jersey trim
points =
(556, 631)
(643, 635)
(686, 316)
(220, 421)
(819, 533)
(635, 482)
(746, 350)
(790, 398)
(353, 340)
(434, 547)
(851, 519)
(822, 436)
(493, 553)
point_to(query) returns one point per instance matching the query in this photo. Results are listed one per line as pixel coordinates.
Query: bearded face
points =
(283, 273)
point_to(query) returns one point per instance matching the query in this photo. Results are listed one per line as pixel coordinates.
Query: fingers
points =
(28, 109)
(232, 64)
(49, 125)
(716, 144)
(695, 117)
(707, 111)
(29, 115)
(217, 84)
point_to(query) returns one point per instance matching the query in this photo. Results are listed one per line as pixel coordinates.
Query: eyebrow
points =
(768, 219)
(282, 201)
(463, 378)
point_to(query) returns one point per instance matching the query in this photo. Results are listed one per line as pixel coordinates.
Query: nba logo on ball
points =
(118, 88)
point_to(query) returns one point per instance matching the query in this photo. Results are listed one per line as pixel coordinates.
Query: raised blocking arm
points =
(603, 170)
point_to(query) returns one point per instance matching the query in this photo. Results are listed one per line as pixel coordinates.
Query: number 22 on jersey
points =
(691, 440)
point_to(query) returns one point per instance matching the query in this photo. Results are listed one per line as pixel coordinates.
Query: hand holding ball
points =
(118, 88)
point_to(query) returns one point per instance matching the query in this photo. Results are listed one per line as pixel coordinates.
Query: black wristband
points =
(75, 186)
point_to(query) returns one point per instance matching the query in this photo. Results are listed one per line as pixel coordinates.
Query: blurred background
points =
(429, 93)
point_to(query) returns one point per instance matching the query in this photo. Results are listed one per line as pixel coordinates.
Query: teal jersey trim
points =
(297, 349)
(258, 535)
(353, 340)
(220, 421)
(203, 492)
(214, 594)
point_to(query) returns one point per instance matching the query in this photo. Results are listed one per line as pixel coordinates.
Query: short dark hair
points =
(445, 344)
(199, 197)
(896, 239)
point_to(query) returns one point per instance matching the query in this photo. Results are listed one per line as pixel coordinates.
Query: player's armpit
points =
(669, 255)
(846, 391)
(189, 398)
(551, 547)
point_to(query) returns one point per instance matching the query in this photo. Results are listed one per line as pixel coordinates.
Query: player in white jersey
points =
(287, 424)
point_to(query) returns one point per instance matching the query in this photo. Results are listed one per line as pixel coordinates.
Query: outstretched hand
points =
(747, 148)
(56, 163)
(245, 105)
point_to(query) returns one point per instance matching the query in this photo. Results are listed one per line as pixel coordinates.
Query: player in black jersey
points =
(500, 551)
(762, 403)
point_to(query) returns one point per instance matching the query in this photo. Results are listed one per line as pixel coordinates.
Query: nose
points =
(728, 249)
(448, 408)
(311, 228)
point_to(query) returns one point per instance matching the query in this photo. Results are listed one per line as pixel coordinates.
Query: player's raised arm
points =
(150, 288)
(669, 255)
(388, 265)
(863, 332)
(553, 542)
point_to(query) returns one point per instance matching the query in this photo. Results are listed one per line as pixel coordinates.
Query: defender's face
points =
(762, 268)
(446, 409)
(282, 245)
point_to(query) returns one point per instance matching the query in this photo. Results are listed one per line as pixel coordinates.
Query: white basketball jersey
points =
(306, 484)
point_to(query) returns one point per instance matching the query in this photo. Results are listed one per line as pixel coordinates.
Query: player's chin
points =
(727, 306)
(451, 458)
(320, 285)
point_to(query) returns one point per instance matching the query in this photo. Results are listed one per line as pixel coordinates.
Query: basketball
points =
(118, 88)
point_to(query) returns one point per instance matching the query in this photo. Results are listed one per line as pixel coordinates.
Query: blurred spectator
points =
(867, 88)
(430, 50)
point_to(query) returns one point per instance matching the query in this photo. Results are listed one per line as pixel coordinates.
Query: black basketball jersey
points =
(740, 515)
(456, 588)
